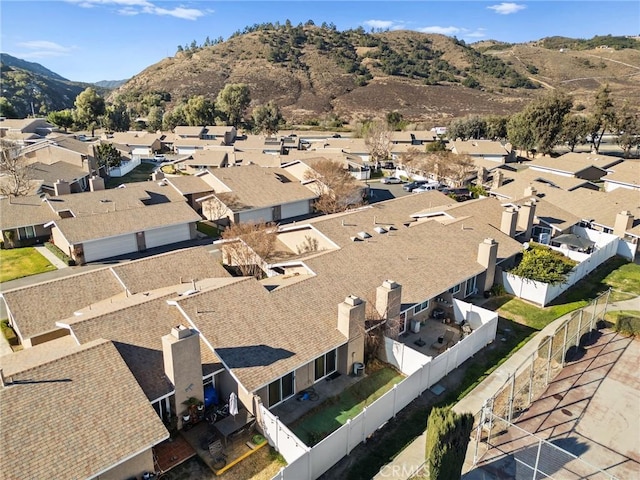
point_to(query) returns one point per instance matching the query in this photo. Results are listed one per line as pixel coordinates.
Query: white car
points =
(158, 158)
(426, 187)
(390, 180)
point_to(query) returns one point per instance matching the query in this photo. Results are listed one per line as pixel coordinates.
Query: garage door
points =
(109, 247)
(295, 209)
(167, 235)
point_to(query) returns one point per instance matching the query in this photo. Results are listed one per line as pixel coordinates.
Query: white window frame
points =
(421, 307)
(455, 289)
(470, 287)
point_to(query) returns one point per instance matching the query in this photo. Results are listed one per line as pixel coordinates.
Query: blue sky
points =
(92, 40)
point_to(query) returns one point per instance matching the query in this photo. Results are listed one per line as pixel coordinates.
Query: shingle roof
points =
(134, 138)
(627, 172)
(136, 327)
(36, 308)
(257, 187)
(186, 130)
(268, 334)
(516, 183)
(186, 184)
(58, 170)
(28, 358)
(478, 147)
(120, 222)
(214, 158)
(168, 269)
(75, 417)
(24, 211)
(574, 162)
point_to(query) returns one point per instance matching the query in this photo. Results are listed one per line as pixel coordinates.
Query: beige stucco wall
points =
(59, 241)
(133, 467)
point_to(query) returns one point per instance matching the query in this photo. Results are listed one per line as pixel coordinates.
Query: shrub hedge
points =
(60, 254)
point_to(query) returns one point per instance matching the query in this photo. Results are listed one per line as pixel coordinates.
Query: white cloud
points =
(43, 49)
(135, 7)
(441, 30)
(479, 33)
(507, 8)
(384, 24)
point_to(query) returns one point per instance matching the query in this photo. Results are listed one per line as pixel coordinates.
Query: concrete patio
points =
(292, 409)
(430, 332)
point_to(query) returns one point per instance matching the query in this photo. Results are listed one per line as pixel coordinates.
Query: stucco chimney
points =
(60, 187)
(526, 214)
(530, 191)
(482, 174)
(351, 318)
(157, 175)
(509, 221)
(498, 178)
(487, 255)
(388, 299)
(624, 222)
(96, 183)
(183, 365)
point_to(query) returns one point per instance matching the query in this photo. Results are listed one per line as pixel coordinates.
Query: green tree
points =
(199, 111)
(574, 130)
(627, 128)
(107, 156)
(233, 100)
(471, 126)
(89, 108)
(116, 117)
(267, 118)
(603, 117)
(173, 118)
(154, 118)
(447, 439)
(395, 120)
(541, 264)
(7, 109)
(540, 124)
(496, 127)
(61, 118)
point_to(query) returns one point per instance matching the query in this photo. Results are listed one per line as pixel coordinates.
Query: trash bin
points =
(358, 369)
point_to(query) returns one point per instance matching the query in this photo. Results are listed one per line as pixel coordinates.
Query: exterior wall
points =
(263, 214)
(61, 242)
(553, 172)
(132, 468)
(304, 377)
(46, 337)
(295, 209)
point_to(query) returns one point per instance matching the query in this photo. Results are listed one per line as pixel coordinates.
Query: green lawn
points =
(208, 229)
(334, 412)
(22, 262)
(616, 273)
(141, 173)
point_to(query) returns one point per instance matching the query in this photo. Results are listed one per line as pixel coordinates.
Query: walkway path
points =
(412, 457)
(48, 254)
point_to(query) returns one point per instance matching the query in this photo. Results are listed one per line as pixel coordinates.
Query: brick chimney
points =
(482, 175)
(351, 318)
(96, 183)
(487, 255)
(183, 365)
(624, 222)
(526, 214)
(60, 187)
(509, 221)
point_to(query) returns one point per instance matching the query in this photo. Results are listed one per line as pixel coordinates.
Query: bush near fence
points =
(60, 254)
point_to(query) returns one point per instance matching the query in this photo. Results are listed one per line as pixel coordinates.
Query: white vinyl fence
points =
(543, 293)
(423, 372)
(124, 168)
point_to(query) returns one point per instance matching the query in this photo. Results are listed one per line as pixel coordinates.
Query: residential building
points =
(625, 174)
(586, 166)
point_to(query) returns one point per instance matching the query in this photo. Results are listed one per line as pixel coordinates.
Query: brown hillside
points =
(313, 82)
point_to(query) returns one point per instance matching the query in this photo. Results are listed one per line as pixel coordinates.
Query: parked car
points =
(158, 158)
(426, 187)
(390, 180)
(415, 184)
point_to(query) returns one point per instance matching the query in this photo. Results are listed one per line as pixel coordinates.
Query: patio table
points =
(233, 423)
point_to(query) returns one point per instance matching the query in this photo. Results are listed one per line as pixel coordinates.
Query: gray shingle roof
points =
(626, 172)
(24, 211)
(75, 417)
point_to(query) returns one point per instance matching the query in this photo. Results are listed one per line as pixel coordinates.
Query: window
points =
(471, 287)
(325, 365)
(281, 389)
(422, 306)
(26, 232)
(403, 322)
(455, 289)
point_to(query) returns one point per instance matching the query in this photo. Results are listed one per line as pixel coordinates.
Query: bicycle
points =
(307, 394)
